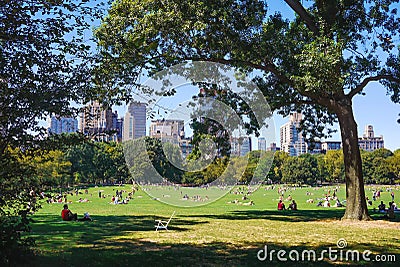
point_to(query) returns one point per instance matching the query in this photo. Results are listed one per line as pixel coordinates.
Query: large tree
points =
(44, 66)
(315, 62)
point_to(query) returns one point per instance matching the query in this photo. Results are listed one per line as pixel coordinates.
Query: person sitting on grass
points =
(390, 211)
(382, 206)
(293, 205)
(67, 215)
(281, 205)
(327, 204)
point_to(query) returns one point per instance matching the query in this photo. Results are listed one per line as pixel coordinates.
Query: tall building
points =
(186, 146)
(292, 141)
(369, 141)
(172, 131)
(59, 125)
(117, 125)
(240, 146)
(246, 146)
(134, 121)
(273, 147)
(100, 124)
(262, 144)
(235, 146)
(168, 130)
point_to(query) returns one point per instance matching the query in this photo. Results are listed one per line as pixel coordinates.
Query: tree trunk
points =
(356, 206)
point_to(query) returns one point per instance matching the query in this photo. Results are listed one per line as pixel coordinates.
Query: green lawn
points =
(219, 233)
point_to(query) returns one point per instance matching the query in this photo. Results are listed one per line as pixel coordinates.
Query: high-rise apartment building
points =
(59, 125)
(186, 146)
(291, 139)
(246, 146)
(369, 141)
(262, 144)
(100, 124)
(168, 130)
(117, 126)
(134, 121)
(273, 147)
(240, 146)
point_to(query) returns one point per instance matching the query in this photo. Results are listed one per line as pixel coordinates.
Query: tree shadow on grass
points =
(106, 225)
(290, 216)
(55, 233)
(136, 252)
(381, 217)
(278, 215)
(107, 241)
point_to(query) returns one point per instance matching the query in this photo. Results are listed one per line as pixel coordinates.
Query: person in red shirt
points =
(281, 205)
(67, 215)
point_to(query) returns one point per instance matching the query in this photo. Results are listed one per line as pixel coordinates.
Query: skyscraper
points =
(99, 123)
(240, 146)
(292, 141)
(59, 125)
(117, 126)
(246, 146)
(168, 130)
(262, 144)
(94, 119)
(134, 121)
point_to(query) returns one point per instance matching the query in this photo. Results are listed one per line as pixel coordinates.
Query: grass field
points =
(217, 234)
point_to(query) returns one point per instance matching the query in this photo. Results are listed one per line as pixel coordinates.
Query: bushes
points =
(14, 248)
(17, 203)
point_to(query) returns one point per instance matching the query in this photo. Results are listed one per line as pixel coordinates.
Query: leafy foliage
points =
(315, 62)
(45, 66)
(17, 202)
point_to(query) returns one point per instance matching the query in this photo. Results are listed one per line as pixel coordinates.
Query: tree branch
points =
(268, 67)
(364, 83)
(304, 15)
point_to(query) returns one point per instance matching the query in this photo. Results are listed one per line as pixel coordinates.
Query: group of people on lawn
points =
(292, 205)
(389, 211)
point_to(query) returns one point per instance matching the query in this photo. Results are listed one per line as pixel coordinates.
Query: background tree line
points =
(379, 167)
(89, 162)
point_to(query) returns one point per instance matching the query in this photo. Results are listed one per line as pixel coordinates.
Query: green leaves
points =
(320, 67)
(45, 63)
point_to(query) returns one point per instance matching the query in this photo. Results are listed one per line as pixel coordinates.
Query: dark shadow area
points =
(144, 253)
(278, 215)
(102, 226)
(381, 216)
(106, 242)
(288, 215)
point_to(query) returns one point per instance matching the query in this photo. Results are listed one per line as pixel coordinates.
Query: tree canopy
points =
(315, 62)
(45, 67)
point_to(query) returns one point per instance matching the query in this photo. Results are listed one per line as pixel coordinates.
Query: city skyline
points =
(254, 144)
(375, 108)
